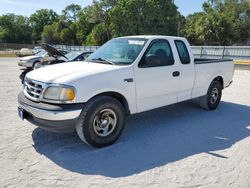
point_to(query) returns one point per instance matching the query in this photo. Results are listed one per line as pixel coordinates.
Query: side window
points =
(159, 53)
(182, 51)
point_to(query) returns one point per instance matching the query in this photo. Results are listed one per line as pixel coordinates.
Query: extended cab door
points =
(157, 76)
(186, 60)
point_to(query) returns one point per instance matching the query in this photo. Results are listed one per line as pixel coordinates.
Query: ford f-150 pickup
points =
(127, 75)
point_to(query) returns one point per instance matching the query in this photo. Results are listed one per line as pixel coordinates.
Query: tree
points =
(66, 36)
(98, 35)
(70, 17)
(221, 22)
(71, 11)
(14, 29)
(84, 25)
(193, 28)
(94, 22)
(50, 34)
(40, 19)
(136, 17)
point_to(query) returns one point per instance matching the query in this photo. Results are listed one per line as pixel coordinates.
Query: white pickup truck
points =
(127, 75)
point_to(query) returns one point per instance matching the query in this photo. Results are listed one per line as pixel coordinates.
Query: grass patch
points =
(8, 55)
(242, 62)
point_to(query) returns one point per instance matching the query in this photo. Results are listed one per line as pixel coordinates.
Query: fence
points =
(214, 52)
(8, 52)
(13, 46)
(222, 52)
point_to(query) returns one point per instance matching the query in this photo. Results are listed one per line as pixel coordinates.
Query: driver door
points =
(157, 82)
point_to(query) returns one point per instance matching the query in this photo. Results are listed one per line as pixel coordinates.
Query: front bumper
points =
(24, 64)
(52, 117)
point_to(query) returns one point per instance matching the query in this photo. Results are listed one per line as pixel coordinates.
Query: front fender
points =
(114, 81)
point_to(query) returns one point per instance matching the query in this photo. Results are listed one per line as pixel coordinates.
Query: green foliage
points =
(221, 22)
(66, 36)
(71, 11)
(14, 28)
(40, 19)
(136, 17)
(84, 25)
(193, 28)
(69, 14)
(102, 20)
(50, 35)
(98, 35)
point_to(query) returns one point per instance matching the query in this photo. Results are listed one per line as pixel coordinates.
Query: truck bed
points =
(208, 69)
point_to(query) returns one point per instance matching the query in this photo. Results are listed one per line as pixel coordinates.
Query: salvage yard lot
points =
(175, 146)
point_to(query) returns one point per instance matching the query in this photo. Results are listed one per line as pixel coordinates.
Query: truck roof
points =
(153, 37)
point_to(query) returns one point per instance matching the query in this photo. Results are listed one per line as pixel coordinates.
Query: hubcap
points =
(37, 65)
(105, 122)
(214, 95)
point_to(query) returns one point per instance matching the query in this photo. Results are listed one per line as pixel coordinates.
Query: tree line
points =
(222, 22)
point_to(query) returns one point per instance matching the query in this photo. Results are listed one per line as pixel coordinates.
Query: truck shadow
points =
(150, 140)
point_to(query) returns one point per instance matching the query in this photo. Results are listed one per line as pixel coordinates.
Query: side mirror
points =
(152, 60)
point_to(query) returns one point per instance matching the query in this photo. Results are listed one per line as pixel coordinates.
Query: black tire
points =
(34, 66)
(93, 116)
(212, 99)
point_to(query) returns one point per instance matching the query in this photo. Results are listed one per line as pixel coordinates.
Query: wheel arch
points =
(118, 97)
(219, 79)
(37, 61)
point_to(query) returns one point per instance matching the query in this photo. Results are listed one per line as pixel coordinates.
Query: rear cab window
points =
(182, 51)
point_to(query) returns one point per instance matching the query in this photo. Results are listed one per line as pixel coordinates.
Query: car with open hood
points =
(69, 57)
(48, 52)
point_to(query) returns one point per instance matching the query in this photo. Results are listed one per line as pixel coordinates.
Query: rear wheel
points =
(212, 99)
(101, 121)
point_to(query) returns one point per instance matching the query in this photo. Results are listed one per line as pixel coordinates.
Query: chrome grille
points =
(33, 89)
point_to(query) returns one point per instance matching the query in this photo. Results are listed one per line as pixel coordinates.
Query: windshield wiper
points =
(104, 61)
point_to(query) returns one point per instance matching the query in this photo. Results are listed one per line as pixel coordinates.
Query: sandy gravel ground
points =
(175, 146)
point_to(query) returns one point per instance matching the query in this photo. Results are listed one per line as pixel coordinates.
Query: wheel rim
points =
(36, 66)
(105, 122)
(214, 95)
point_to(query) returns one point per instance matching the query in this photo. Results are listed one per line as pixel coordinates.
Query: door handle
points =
(176, 74)
(128, 80)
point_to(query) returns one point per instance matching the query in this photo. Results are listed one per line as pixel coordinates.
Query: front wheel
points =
(37, 65)
(101, 121)
(212, 99)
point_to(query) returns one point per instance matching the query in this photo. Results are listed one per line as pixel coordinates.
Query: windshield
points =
(41, 53)
(121, 51)
(71, 55)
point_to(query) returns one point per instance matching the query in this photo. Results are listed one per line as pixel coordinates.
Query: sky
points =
(27, 7)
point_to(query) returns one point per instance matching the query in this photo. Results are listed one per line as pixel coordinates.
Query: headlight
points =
(23, 61)
(28, 61)
(59, 93)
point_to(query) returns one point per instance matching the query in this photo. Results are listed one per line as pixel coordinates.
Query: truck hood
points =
(65, 72)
